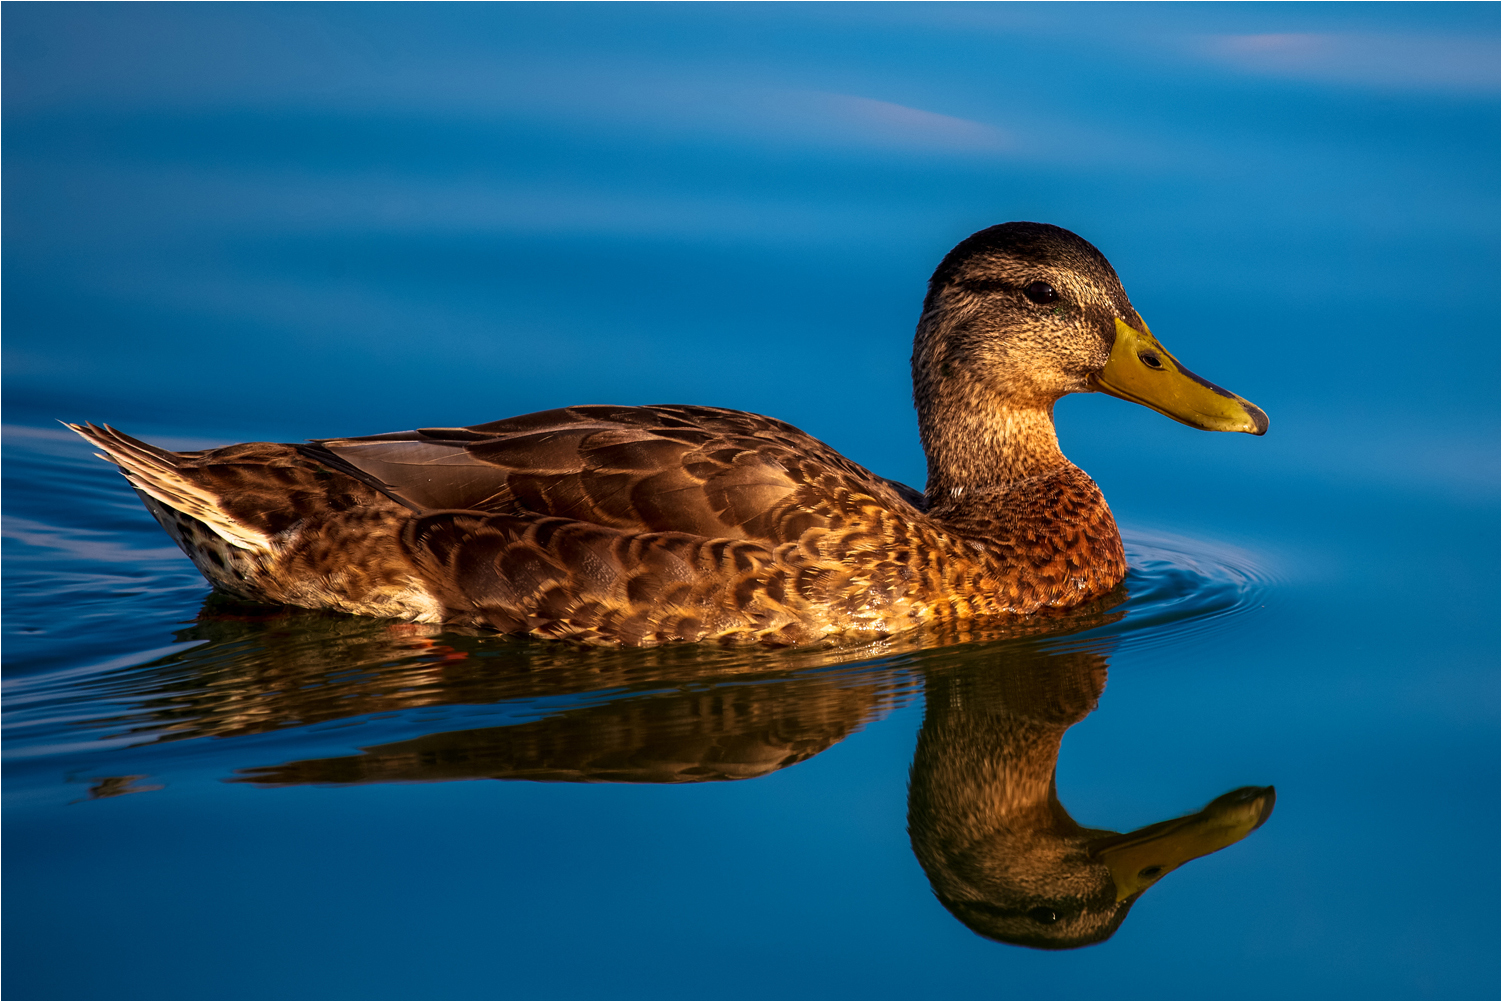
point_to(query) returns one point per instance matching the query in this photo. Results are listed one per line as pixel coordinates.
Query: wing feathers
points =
(700, 470)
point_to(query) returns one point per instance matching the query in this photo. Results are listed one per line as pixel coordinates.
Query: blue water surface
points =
(232, 222)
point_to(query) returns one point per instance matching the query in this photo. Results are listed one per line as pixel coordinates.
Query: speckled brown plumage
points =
(652, 525)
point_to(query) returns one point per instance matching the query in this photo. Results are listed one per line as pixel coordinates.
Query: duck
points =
(649, 525)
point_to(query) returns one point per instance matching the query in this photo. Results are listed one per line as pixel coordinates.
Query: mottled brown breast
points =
(1042, 542)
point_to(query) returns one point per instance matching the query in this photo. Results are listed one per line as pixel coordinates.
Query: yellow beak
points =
(1138, 859)
(1142, 371)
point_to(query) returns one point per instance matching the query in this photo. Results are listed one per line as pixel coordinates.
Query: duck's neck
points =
(975, 447)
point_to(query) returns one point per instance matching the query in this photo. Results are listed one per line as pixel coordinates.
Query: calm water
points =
(278, 222)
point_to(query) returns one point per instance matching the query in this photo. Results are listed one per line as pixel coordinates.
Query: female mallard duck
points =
(648, 525)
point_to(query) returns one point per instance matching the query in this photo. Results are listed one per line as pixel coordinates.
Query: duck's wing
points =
(701, 470)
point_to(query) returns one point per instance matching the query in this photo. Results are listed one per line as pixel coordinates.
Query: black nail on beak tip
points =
(1259, 419)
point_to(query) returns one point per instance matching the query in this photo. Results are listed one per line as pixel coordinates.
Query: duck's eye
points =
(1041, 292)
(1045, 915)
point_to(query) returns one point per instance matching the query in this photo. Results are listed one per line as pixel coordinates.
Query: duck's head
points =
(1020, 314)
(1057, 886)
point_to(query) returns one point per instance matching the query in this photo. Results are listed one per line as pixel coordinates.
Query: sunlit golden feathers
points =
(661, 524)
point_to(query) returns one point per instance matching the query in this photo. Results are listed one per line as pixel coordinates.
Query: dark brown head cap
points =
(1020, 243)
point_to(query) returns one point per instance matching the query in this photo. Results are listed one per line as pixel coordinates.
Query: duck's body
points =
(648, 525)
(634, 525)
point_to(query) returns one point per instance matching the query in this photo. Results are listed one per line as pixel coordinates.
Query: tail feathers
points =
(164, 476)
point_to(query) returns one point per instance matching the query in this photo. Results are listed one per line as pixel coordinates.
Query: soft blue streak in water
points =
(231, 222)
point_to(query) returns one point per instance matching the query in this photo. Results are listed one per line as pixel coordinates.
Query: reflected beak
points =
(1141, 370)
(1138, 859)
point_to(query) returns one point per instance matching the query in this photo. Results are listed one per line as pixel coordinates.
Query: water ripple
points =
(1180, 587)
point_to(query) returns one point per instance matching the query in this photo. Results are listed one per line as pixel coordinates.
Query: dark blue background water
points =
(230, 222)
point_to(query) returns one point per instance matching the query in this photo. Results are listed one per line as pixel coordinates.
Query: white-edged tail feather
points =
(159, 474)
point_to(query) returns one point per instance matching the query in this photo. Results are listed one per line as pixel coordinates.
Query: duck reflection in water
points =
(1000, 851)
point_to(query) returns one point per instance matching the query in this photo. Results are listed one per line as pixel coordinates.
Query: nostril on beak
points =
(1150, 360)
